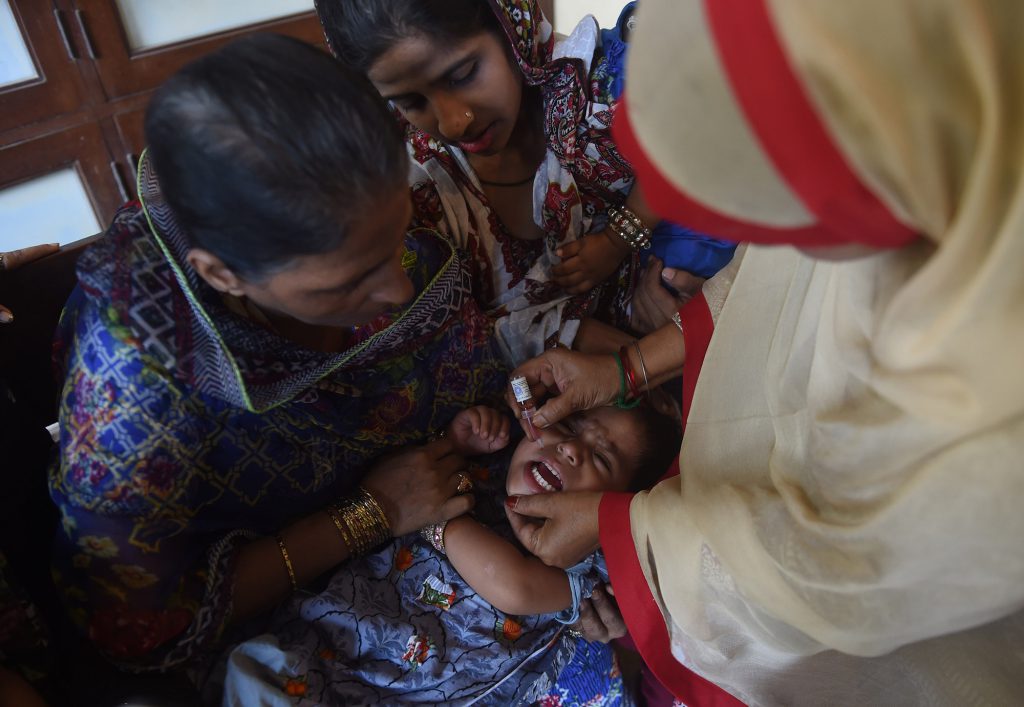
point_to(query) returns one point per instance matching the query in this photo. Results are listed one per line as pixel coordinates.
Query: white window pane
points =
(16, 63)
(50, 209)
(154, 23)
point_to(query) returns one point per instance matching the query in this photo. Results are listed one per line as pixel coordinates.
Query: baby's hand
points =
(479, 430)
(588, 262)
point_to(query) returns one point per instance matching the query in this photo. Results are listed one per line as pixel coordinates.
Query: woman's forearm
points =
(597, 337)
(314, 546)
(663, 354)
(403, 491)
(636, 203)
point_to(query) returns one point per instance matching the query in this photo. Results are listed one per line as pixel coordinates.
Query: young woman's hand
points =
(479, 430)
(588, 262)
(417, 486)
(559, 528)
(572, 381)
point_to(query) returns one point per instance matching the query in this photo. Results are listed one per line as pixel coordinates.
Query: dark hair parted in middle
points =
(269, 149)
(359, 31)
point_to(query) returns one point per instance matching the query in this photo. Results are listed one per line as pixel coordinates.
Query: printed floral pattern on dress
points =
(295, 687)
(508, 629)
(417, 650)
(437, 592)
(404, 557)
(161, 478)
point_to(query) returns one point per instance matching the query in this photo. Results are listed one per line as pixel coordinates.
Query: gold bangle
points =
(287, 563)
(376, 511)
(346, 539)
(364, 520)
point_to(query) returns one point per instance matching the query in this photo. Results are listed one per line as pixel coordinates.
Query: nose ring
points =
(469, 115)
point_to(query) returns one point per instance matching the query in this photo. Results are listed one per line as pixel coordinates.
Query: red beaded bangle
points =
(627, 366)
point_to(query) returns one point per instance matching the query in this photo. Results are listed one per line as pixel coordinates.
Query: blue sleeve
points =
(680, 248)
(136, 572)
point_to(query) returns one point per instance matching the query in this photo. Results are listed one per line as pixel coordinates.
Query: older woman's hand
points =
(653, 305)
(572, 380)
(559, 528)
(17, 258)
(418, 486)
(600, 618)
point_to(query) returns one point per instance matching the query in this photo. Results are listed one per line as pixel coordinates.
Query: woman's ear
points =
(213, 270)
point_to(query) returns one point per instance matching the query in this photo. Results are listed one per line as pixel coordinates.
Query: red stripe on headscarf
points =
(790, 131)
(672, 203)
(792, 136)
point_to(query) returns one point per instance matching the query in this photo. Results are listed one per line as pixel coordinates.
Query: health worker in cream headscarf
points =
(847, 524)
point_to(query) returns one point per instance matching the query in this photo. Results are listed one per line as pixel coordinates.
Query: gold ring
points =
(465, 484)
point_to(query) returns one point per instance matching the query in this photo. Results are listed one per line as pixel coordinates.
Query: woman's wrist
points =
(629, 228)
(360, 524)
(663, 352)
(360, 521)
(636, 203)
(269, 568)
(622, 248)
(629, 389)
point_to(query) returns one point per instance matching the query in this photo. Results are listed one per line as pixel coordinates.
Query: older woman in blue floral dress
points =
(243, 346)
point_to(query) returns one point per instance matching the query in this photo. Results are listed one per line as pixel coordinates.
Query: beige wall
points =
(569, 12)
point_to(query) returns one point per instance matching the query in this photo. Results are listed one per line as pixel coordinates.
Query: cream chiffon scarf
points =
(848, 527)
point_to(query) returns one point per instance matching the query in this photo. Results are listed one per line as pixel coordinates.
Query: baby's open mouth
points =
(546, 476)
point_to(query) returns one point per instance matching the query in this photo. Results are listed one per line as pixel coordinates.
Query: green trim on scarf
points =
(198, 307)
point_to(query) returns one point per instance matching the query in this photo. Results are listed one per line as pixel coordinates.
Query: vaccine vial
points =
(521, 391)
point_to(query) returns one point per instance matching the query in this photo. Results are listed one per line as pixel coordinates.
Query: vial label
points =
(521, 389)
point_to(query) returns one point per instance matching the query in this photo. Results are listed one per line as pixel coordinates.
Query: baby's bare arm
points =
(509, 580)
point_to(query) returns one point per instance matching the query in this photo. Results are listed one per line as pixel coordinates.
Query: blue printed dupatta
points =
(186, 429)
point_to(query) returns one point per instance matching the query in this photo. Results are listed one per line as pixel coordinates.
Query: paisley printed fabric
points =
(581, 175)
(186, 430)
(401, 626)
